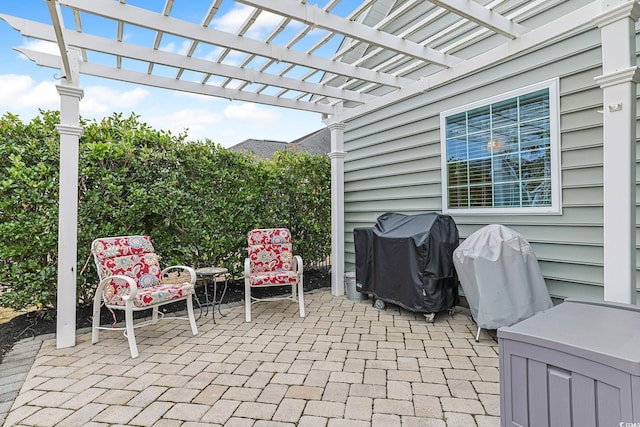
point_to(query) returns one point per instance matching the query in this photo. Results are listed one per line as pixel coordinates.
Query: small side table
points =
(215, 275)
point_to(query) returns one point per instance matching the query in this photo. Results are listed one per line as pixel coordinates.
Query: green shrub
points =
(28, 207)
(197, 200)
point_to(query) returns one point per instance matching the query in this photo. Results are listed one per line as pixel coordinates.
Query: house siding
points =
(393, 162)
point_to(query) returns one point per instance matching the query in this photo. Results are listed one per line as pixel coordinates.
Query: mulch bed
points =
(39, 323)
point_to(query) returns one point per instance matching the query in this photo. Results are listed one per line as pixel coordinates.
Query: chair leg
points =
(247, 301)
(192, 318)
(95, 323)
(154, 314)
(301, 297)
(131, 337)
(293, 291)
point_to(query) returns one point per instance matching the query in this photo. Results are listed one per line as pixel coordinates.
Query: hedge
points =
(196, 199)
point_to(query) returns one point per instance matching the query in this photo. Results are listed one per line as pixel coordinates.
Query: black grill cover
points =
(407, 260)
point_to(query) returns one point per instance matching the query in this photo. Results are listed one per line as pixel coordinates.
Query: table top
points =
(211, 271)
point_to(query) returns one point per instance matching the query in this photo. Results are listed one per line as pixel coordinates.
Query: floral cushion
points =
(276, 278)
(271, 257)
(269, 235)
(147, 297)
(134, 256)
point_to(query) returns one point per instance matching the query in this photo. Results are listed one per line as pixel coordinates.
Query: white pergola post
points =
(70, 132)
(337, 208)
(618, 82)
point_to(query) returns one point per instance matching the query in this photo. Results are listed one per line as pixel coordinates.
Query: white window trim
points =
(554, 116)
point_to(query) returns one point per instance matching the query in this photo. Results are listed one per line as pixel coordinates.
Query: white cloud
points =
(18, 92)
(268, 20)
(42, 46)
(235, 58)
(198, 123)
(248, 112)
(233, 20)
(182, 49)
(169, 47)
(102, 100)
(208, 54)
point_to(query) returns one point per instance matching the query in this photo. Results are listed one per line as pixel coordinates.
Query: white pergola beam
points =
(145, 54)
(482, 16)
(166, 24)
(316, 17)
(58, 28)
(564, 25)
(53, 61)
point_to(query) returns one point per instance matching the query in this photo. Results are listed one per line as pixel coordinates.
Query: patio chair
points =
(131, 280)
(271, 263)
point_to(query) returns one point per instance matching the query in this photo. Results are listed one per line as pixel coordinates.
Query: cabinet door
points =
(545, 387)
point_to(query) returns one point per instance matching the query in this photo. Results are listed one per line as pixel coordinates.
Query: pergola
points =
(376, 63)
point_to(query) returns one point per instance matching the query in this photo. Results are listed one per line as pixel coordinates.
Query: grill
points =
(407, 260)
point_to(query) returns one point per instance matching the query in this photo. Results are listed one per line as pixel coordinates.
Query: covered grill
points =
(407, 260)
(500, 277)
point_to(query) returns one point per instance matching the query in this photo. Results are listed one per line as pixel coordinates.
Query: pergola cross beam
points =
(315, 17)
(147, 19)
(482, 16)
(93, 69)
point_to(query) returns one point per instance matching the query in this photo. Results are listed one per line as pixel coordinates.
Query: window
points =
(502, 155)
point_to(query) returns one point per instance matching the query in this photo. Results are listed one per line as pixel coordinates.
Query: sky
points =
(25, 88)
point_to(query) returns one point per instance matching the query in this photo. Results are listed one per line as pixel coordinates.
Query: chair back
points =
(270, 250)
(132, 256)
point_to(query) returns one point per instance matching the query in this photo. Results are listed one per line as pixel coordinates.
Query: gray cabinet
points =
(576, 364)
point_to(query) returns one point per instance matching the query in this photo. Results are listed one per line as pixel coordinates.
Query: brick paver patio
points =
(345, 364)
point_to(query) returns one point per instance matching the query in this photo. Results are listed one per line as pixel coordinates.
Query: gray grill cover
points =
(500, 277)
(407, 260)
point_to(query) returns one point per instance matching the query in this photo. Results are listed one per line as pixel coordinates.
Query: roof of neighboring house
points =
(318, 142)
(262, 148)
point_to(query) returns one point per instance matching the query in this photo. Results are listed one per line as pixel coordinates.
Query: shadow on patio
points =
(345, 364)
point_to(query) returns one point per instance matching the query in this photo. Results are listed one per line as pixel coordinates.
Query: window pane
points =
(538, 193)
(507, 195)
(479, 119)
(534, 105)
(505, 113)
(536, 164)
(458, 197)
(457, 126)
(506, 168)
(456, 149)
(536, 133)
(457, 173)
(480, 171)
(480, 196)
(478, 144)
(505, 139)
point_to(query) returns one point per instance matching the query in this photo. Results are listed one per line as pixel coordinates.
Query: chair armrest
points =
(247, 267)
(297, 264)
(191, 271)
(133, 287)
